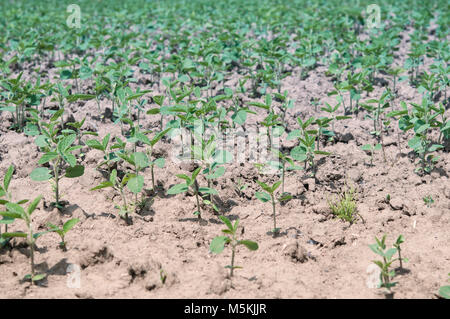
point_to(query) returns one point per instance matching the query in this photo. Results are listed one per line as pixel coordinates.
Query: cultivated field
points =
(146, 145)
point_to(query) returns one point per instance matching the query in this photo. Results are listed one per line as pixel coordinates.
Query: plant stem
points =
(56, 173)
(198, 201)
(31, 242)
(232, 259)
(273, 211)
(153, 177)
(125, 205)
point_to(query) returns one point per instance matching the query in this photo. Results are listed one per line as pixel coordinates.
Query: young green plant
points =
(62, 232)
(58, 152)
(269, 195)
(387, 273)
(218, 243)
(15, 211)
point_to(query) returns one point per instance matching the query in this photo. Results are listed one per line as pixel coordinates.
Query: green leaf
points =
(57, 115)
(39, 277)
(322, 153)
(6, 220)
(339, 118)
(444, 292)
(258, 104)
(390, 252)
(249, 244)
(7, 178)
(70, 224)
(184, 176)
(66, 142)
(159, 136)
(366, 147)
(435, 147)
(135, 184)
(177, 189)
(40, 174)
(9, 215)
(239, 117)
(275, 186)
(400, 240)
(195, 173)
(37, 235)
(285, 197)
(95, 145)
(75, 171)
(16, 234)
(41, 141)
(294, 134)
(65, 74)
(376, 249)
(160, 162)
(153, 111)
(69, 158)
(268, 100)
(298, 154)
(76, 97)
(140, 160)
(264, 186)
(103, 185)
(263, 196)
(415, 143)
(207, 190)
(218, 244)
(227, 222)
(47, 157)
(33, 205)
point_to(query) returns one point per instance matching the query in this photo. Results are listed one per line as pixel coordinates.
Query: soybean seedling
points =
(63, 231)
(191, 181)
(108, 155)
(306, 150)
(118, 185)
(423, 120)
(428, 200)
(160, 162)
(387, 274)
(240, 187)
(281, 165)
(371, 149)
(7, 198)
(400, 240)
(269, 195)
(332, 110)
(16, 211)
(218, 243)
(58, 151)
